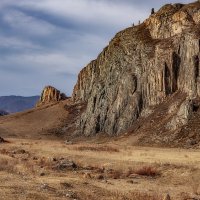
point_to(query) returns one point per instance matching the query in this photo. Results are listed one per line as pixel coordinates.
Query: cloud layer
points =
(47, 42)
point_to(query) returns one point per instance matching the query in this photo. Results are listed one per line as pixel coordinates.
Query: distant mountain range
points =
(13, 104)
(2, 113)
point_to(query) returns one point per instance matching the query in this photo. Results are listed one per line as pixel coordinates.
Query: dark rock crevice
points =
(167, 80)
(196, 66)
(175, 71)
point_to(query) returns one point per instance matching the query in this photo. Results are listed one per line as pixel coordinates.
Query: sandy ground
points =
(29, 169)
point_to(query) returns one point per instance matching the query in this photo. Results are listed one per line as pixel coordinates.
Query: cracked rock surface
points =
(140, 68)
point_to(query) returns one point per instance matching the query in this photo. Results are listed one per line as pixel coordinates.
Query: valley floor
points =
(42, 169)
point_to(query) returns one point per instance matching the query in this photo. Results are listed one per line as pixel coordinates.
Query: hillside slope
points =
(51, 121)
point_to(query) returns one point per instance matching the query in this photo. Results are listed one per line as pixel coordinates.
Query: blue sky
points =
(47, 42)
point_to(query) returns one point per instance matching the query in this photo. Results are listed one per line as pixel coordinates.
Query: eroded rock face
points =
(50, 95)
(140, 68)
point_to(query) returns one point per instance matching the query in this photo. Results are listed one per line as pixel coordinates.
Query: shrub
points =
(97, 148)
(8, 165)
(147, 171)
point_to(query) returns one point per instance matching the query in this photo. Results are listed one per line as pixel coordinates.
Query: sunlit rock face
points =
(140, 68)
(50, 95)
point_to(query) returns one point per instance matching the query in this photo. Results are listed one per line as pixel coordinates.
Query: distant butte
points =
(50, 95)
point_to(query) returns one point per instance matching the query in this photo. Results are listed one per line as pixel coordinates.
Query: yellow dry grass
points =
(26, 171)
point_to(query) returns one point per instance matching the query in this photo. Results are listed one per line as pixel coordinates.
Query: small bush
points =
(66, 185)
(29, 166)
(44, 163)
(3, 151)
(8, 165)
(147, 171)
(129, 172)
(97, 148)
(115, 174)
(195, 183)
(134, 195)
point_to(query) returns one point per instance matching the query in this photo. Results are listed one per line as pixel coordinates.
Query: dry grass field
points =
(38, 163)
(44, 169)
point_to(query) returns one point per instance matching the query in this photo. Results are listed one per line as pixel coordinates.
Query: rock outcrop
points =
(141, 68)
(50, 95)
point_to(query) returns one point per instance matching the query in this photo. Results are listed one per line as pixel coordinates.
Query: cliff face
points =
(50, 95)
(141, 68)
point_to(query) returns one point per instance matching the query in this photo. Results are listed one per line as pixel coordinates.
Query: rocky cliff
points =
(50, 95)
(143, 67)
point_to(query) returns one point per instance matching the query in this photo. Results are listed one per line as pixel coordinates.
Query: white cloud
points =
(17, 43)
(27, 24)
(46, 52)
(46, 63)
(102, 12)
(89, 11)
